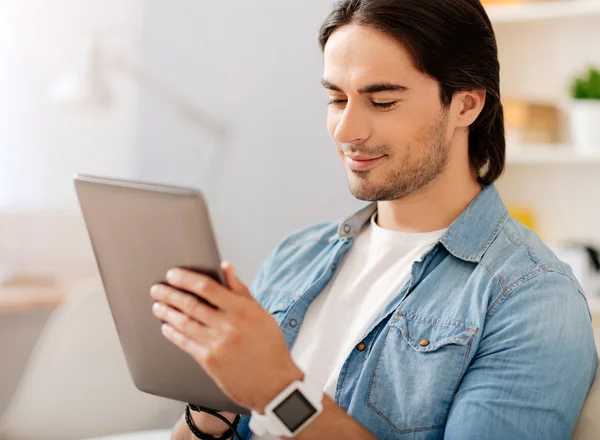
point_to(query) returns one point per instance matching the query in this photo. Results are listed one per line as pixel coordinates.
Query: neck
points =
(432, 208)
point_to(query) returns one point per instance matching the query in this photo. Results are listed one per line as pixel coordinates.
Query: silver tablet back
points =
(138, 232)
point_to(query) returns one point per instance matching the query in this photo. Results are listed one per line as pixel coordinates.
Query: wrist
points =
(209, 424)
(292, 410)
(277, 384)
(203, 435)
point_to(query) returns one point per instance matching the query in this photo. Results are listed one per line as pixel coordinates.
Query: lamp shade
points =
(83, 85)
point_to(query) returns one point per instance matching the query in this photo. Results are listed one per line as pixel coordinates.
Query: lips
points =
(361, 158)
(361, 163)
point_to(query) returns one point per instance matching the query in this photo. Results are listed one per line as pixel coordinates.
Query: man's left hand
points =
(236, 341)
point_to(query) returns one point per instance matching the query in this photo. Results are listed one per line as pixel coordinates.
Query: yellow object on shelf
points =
(525, 215)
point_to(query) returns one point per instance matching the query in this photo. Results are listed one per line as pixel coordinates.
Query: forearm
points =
(181, 431)
(333, 422)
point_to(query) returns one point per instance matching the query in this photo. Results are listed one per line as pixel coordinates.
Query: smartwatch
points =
(290, 412)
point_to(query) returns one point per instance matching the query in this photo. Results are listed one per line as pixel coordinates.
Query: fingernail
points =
(172, 275)
(158, 307)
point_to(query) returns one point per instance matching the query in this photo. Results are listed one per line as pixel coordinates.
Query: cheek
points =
(393, 130)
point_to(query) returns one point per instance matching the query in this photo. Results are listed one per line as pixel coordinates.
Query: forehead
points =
(359, 54)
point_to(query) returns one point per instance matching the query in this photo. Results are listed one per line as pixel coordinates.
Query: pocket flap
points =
(425, 334)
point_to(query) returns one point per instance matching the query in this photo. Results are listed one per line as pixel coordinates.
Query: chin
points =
(365, 192)
(365, 197)
(373, 192)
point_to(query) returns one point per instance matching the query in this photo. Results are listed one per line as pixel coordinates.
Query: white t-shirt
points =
(373, 272)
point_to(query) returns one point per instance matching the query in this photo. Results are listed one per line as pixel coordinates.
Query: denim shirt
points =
(510, 352)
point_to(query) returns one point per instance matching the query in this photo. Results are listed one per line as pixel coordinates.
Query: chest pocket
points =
(417, 371)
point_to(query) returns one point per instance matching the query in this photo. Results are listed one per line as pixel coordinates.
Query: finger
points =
(233, 281)
(182, 323)
(191, 347)
(188, 304)
(202, 286)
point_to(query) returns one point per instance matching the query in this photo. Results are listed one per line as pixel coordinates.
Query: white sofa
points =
(19, 332)
(77, 385)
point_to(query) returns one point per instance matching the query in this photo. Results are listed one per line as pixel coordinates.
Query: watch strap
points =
(259, 423)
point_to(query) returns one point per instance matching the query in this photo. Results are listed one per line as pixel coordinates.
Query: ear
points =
(469, 106)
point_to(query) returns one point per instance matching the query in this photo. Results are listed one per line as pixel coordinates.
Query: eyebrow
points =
(371, 88)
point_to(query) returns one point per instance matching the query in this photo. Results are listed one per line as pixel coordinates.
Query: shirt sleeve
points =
(533, 367)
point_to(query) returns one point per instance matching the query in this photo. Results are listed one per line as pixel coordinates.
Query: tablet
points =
(138, 232)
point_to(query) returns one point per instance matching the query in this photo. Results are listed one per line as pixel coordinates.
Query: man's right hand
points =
(205, 422)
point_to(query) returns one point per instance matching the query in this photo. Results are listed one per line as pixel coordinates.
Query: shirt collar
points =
(467, 238)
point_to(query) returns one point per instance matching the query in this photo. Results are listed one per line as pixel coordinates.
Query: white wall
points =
(41, 146)
(256, 65)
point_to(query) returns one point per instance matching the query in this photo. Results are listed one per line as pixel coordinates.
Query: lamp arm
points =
(186, 109)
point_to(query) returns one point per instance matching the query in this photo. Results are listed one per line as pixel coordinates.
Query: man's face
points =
(385, 117)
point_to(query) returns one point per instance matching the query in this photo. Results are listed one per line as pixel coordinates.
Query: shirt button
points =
(424, 343)
(333, 267)
(347, 229)
(361, 346)
(293, 323)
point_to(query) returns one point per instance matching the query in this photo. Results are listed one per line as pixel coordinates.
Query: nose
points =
(352, 126)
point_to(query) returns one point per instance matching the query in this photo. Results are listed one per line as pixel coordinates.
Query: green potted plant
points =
(585, 110)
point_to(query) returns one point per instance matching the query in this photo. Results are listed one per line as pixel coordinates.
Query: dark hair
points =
(451, 41)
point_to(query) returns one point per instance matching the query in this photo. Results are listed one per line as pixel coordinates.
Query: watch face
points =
(294, 411)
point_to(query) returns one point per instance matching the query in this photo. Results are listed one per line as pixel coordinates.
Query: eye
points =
(337, 102)
(384, 105)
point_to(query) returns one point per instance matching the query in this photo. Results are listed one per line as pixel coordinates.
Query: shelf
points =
(542, 10)
(550, 154)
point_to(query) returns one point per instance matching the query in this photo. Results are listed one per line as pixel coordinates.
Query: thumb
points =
(233, 282)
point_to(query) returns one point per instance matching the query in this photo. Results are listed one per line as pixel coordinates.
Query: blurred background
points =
(225, 96)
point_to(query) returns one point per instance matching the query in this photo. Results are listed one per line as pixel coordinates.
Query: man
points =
(429, 314)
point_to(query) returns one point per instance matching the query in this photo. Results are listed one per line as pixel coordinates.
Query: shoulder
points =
(302, 243)
(538, 305)
(522, 264)
(294, 261)
(317, 233)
